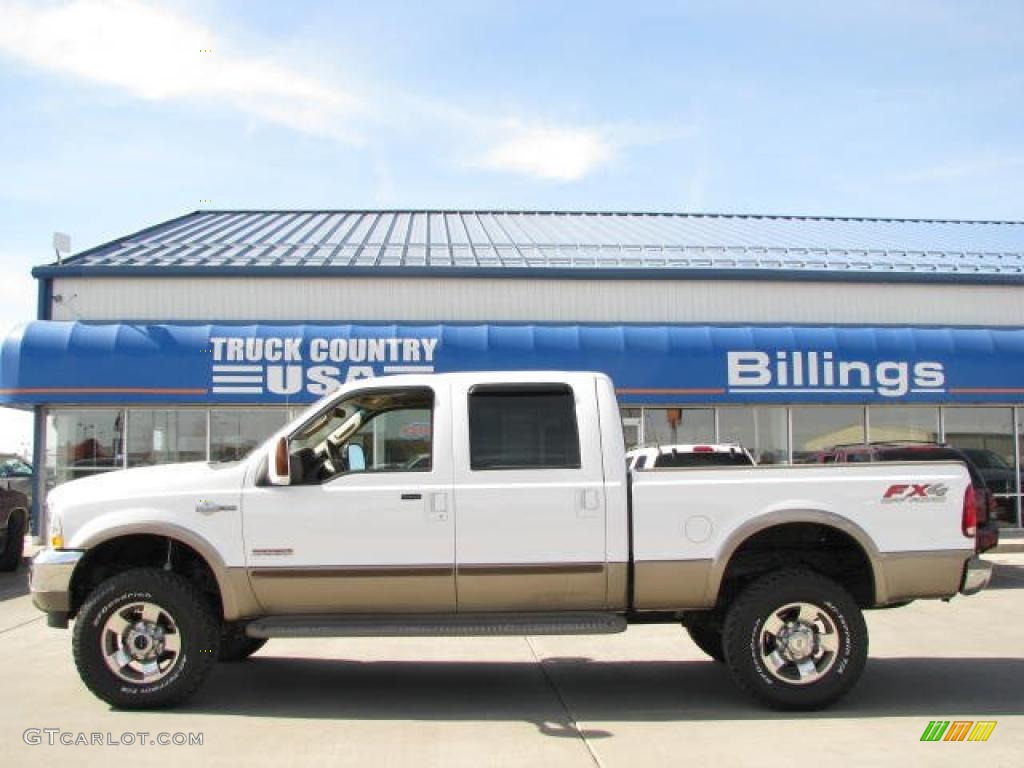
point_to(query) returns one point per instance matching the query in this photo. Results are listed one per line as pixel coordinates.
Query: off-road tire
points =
(706, 633)
(195, 620)
(742, 635)
(235, 645)
(14, 546)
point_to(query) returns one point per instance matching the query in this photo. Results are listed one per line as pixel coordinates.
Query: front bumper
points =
(49, 579)
(977, 575)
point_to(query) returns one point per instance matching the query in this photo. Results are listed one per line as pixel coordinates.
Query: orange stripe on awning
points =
(986, 390)
(101, 391)
(699, 391)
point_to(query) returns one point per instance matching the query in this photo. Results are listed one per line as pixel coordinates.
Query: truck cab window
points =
(523, 427)
(369, 431)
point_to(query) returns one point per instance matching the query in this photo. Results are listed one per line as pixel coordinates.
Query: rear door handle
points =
(411, 496)
(589, 503)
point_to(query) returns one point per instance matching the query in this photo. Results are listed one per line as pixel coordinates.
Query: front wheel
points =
(144, 639)
(795, 640)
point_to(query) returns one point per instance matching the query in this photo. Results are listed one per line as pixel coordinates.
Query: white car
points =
(689, 455)
(523, 521)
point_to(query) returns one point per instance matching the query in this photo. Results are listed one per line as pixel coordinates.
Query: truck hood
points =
(83, 508)
(124, 484)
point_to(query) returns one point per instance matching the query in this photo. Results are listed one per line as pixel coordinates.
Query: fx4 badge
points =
(915, 493)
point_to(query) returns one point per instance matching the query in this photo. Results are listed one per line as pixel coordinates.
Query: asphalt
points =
(646, 697)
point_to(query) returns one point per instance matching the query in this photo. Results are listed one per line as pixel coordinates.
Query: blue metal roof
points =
(515, 243)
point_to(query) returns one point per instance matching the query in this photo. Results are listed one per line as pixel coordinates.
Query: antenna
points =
(61, 244)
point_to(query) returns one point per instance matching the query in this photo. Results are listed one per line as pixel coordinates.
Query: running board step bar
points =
(442, 625)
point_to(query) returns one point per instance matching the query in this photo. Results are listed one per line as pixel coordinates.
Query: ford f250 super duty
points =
(486, 504)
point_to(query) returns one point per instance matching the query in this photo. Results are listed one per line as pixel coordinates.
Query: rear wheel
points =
(14, 546)
(795, 640)
(706, 632)
(145, 638)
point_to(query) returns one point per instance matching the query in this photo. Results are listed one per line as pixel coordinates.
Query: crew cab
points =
(483, 504)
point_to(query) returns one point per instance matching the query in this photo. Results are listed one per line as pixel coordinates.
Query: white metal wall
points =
(534, 300)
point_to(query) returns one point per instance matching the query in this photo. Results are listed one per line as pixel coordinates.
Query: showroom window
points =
(888, 423)
(986, 436)
(631, 427)
(671, 426)
(83, 442)
(817, 428)
(164, 437)
(236, 431)
(761, 430)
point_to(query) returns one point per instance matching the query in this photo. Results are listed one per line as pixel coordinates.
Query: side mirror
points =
(355, 457)
(278, 469)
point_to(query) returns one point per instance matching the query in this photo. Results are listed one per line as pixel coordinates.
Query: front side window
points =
(369, 431)
(523, 427)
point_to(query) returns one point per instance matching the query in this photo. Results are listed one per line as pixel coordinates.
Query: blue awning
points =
(54, 362)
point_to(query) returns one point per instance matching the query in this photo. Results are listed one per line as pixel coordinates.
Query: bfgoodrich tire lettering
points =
(827, 642)
(182, 609)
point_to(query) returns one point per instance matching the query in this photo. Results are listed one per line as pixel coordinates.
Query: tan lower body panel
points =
(672, 585)
(922, 574)
(618, 586)
(425, 589)
(532, 587)
(240, 602)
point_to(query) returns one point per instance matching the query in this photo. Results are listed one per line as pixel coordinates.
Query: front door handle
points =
(411, 496)
(208, 507)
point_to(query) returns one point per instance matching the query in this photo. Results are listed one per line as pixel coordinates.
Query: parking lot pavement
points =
(647, 697)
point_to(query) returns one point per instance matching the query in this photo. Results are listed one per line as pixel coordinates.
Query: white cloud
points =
(156, 54)
(564, 154)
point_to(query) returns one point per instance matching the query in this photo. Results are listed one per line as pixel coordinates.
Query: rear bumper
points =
(49, 579)
(977, 575)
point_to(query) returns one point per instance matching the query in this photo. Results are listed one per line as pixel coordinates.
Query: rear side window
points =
(523, 427)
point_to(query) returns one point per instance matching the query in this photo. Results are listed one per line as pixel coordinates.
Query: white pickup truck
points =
(485, 504)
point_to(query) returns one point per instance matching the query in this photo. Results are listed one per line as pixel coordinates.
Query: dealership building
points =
(194, 339)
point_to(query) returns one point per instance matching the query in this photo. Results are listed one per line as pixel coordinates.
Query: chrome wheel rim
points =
(141, 642)
(799, 643)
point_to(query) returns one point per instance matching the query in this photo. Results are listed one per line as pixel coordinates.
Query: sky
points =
(115, 115)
